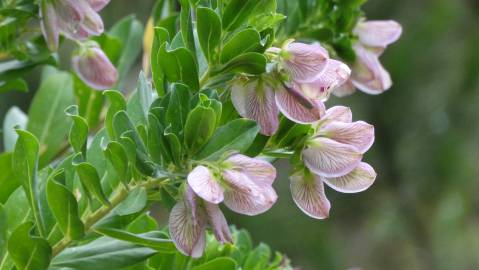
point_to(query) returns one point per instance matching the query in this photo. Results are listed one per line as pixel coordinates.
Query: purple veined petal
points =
(187, 232)
(98, 5)
(70, 15)
(290, 107)
(345, 89)
(49, 25)
(368, 74)
(244, 196)
(339, 113)
(330, 158)
(360, 179)
(80, 35)
(204, 184)
(378, 33)
(308, 194)
(95, 69)
(255, 100)
(260, 171)
(93, 23)
(305, 61)
(218, 223)
(358, 134)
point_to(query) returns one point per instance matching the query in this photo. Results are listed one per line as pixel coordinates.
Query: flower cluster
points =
(78, 20)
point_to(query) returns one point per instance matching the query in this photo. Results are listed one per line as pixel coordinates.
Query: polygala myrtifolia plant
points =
(235, 85)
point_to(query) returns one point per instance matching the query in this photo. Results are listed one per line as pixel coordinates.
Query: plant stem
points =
(204, 78)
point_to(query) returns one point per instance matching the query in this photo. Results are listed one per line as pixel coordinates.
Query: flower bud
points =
(49, 25)
(98, 5)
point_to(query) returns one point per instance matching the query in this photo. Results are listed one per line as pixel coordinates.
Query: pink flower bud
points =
(49, 25)
(94, 68)
(368, 74)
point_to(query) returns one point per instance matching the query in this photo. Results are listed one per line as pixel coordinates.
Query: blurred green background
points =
(423, 210)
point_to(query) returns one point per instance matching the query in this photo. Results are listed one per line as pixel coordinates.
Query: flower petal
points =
(70, 14)
(187, 232)
(92, 22)
(260, 171)
(345, 89)
(358, 134)
(204, 184)
(290, 107)
(217, 221)
(98, 5)
(95, 69)
(360, 179)
(339, 113)
(49, 25)
(308, 194)
(368, 74)
(244, 196)
(255, 100)
(378, 33)
(306, 61)
(329, 158)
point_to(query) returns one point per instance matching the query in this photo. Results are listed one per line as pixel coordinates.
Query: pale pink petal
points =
(218, 223)
(378, 33)
(345, 89)
(339, 113)
(329, 158)
(187, 232)
(255, 100)
(260, 171)
(294, 110)
(360, 179)
(308, 194)
(98, 5)
(244, 196)
(70, 14)
(368, 74)
(305, 61)
(95, 69)
(92, 22)
(358, 134)
(204, 184)
(49, 25)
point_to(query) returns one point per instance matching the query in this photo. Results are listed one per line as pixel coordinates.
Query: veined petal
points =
(187, 232)
(98, 5)
(218, 223)
(255, 100)
(358, 134)
(49, 25)
(345, 89)
(95, 69)
(368, 74)
(378, 33)
(329, 158)
(70, 14)
(204, 184)
(360, 179)
(306, 61)
(339, 113)
(290, 107)
(260, 171)
(92, 22)
(308, 194)
(244, 196)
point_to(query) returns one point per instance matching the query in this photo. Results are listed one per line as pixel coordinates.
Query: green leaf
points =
(236, 135)
(152, 239)
(25, 167)
(186, 26)
(247, 40)
(134, 202)
(130, 32)
(3, 228)
(90, 101)
(178, 107)
(145, 94)
(157, 144)
(78, 132)
(103, 253)
(175, 147)
(179, 66)
(161, 36)
(90, 181)
(64, 206)
(209, 31)
(258, 259)
(47, 120)
(223, 263)
(14, 117)
(27, 251)
(252, 63)
(237, 12)
(200, 125)
(117, 103)
(8, 181)
(116, 154)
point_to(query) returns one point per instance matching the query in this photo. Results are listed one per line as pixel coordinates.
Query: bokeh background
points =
(423, 210)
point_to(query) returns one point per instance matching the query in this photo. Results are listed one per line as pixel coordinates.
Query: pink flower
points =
(94, 68)
(333, 156)
(300, 99)
(368, 75)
